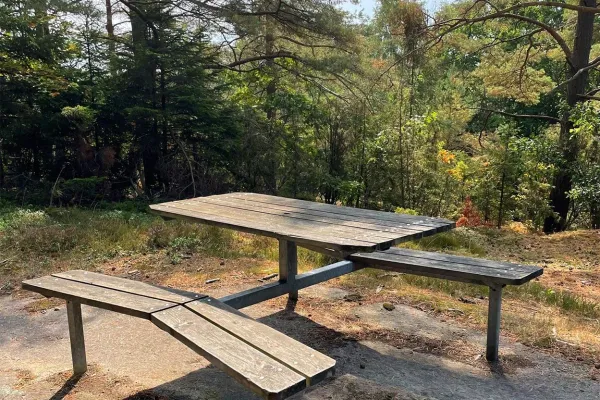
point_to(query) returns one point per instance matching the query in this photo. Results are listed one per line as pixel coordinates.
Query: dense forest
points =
(486, 110)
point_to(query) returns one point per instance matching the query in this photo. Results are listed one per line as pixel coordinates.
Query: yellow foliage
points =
(509, 76)
(445, 156)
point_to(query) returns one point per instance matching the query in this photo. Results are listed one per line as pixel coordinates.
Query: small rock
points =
(388, 306)
(578, 358)
(113, 268)
(198, 269)
(352, 297)
(133, 272)
(466, 300)
(597, 366)
(222, 262)
(43, 311)
(379, 288)
(363, 366)
(266, 278)
(212, 281)
(56, 309)
(349, 338)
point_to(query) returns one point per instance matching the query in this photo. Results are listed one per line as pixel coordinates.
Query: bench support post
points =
(76, 336)
(493, 329)
(288, 266)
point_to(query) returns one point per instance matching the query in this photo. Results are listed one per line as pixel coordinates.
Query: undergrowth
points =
(35, 242)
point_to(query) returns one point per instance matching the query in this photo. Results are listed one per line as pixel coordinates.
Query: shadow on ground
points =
(373, 370)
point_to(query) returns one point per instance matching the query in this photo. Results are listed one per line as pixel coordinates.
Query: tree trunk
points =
(146, 128)
(569, 145)
(1, 167)
(110, 29)
(595, 215)
(271, 178)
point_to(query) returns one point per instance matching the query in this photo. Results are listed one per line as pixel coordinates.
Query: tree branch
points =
(507, 114)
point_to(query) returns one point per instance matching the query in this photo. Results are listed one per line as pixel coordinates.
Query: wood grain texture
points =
(311, 364)
(446, 266)
(95, 296)
(344, 225)
(350, 211)
(296, 234)
(241, 200)
(283, 222)
(249, 366)
(130, 286)
(314, 225)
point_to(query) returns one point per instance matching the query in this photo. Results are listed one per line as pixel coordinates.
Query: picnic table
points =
(261, 358)
(359, 237)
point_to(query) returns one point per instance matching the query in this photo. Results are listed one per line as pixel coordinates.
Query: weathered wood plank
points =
(300, 358)
(95, 296)
(298, 235)
(338, 220)
(285, 222)
(485, 273)
(130, 286)
(359, 212)
(451, 258)
(341, 218)
(255, 370)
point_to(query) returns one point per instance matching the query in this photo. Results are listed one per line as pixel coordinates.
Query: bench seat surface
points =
(258, 356)
(465, 269)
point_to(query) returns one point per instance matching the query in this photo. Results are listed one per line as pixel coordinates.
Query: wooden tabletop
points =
(308, 223)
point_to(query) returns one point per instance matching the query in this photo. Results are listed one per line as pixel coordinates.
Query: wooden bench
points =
(264, 360)
(493, 274)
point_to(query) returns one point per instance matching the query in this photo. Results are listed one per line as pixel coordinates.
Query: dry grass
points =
(558, 312)
(43, 305)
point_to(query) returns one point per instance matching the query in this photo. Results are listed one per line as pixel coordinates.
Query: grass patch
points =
(460, 241)
(43, 304)
(36, 242)
(531, 291)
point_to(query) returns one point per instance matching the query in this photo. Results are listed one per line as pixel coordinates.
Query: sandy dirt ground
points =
(410, 355)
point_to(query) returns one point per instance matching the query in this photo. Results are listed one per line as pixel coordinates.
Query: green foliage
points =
(321, 107)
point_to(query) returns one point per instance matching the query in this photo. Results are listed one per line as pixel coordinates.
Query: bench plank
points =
(314, 366)
(451, 267)
(255, 370)
(95, 296)
(130, 286)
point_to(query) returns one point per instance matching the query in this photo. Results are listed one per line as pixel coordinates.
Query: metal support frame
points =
(290, 282)
(493, 329)
(76, 337)
(288, 266)
(276, 289)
